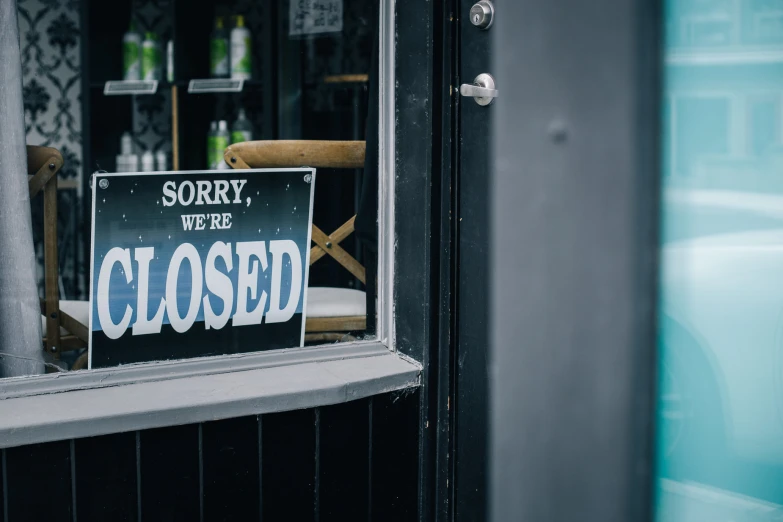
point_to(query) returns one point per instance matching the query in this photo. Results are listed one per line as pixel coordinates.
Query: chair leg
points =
(50, 268)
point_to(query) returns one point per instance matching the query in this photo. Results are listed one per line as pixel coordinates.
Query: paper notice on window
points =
(315, 16)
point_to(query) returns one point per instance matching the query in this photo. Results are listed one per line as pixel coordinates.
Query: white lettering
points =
(115, 255)
(219, 284)
(248, 280)
(191, 191)
(142, 326)
(221, 187)
(169, 190)
(187, 221)
(237, 185)
(204, 188)
(279, 250)
(189, 252)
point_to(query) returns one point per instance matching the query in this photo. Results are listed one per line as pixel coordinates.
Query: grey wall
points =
(574, 249)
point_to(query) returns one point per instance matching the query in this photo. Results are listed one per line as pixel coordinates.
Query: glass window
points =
(168, 91)
(720, 408)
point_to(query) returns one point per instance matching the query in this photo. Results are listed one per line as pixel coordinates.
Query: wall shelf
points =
(119, 88)
(215, 85)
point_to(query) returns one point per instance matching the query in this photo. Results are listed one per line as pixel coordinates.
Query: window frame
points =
(364, 367)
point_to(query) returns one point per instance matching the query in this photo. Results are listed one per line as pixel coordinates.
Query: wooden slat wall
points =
(353, 461)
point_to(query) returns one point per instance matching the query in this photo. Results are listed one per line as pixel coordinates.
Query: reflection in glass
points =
(720, 400)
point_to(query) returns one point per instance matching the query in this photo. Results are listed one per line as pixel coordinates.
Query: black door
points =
(474, 122)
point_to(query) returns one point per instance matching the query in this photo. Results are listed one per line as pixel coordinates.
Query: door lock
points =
(482, 14)
(482, 91)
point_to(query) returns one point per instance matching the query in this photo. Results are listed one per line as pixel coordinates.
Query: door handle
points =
(482, 91)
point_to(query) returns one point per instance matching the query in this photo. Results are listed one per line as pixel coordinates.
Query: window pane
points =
(290, 70)
(720, 406)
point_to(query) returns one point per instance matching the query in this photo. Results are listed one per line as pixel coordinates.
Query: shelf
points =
(120, 88)
(161, 84)
(211, 85)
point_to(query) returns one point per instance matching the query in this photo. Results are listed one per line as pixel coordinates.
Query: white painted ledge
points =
(76, 413)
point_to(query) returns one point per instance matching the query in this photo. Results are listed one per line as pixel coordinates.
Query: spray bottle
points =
(222, 141)
(242, 129)
(150, 57)
(218, 51)
(131, 51)
(241, 51)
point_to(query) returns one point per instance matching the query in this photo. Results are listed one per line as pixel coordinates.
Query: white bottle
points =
(242, 129)
(147, 161)
(160, 161)
(241, 51)
(222, 141)
(131, 50)
(126, 144)
(126, 159)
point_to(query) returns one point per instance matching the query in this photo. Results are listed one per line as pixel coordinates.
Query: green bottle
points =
(242, 130)
(222, 141)
(218, 51)
(150, 58)
(131, 54)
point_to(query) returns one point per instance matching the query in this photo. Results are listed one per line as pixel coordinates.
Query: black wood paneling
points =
(170, 474)
(3, 505)
(395, 456)
(106, 485)
(288, 466)
(34, 469)
(344, 462)
(230, 469)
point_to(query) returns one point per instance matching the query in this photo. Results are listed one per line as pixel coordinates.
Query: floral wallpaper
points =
(49, 41)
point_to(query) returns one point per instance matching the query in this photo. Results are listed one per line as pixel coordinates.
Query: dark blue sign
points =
(190, 264)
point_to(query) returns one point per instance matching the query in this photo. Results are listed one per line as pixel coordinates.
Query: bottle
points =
(170, 61)
(241, 51)
(150, 58)
(127, 161)
(222, 141)
(126, 144)
(218, 51)
(242, 129)
(147, 161)
(211, 144)
(160, 161)
(131, 51)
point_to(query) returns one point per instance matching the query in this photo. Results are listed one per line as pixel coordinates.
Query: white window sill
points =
(48, 408)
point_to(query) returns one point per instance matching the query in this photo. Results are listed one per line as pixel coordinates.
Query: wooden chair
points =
(64, 330)
(330, 311)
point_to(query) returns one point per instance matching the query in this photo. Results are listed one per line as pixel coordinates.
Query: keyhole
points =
(476, 18)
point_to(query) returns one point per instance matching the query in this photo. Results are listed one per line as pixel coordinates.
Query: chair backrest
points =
(309, 153)
(42, 166)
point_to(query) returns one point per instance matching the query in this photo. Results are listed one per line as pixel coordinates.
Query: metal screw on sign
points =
(104, 183)
(308, 178)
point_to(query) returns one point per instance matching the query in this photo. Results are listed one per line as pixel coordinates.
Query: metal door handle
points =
(482, 91)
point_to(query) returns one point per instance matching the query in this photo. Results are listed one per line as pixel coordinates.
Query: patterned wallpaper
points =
(152, 114)
(49, 40)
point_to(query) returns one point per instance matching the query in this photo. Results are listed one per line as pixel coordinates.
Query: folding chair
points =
(64, 322)
(330, 311)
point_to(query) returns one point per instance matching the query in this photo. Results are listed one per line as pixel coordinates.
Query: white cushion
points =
(321, 302)
(79, 310)
(335, 302)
